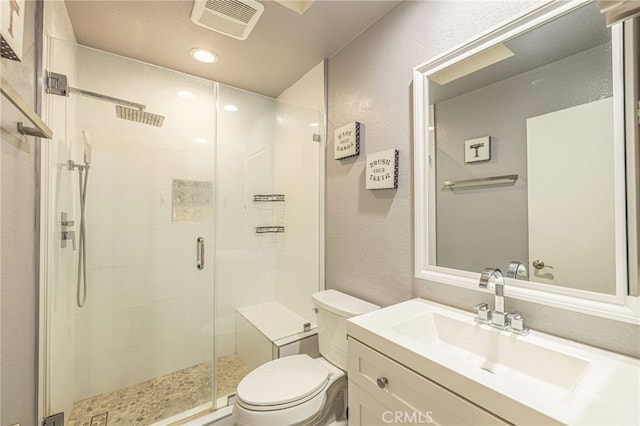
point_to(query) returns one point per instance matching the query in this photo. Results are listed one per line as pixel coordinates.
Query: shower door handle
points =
(200, 253)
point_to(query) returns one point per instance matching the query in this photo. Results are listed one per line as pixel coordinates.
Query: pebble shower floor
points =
(148, 402)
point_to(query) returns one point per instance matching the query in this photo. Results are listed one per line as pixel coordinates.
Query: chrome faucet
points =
(516, 270)
(498, 318)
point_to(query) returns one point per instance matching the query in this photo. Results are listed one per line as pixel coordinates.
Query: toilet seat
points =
(300, 410)
(283, 383)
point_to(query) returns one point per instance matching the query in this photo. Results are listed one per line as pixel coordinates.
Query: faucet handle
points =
(484, 314)
(516, 323)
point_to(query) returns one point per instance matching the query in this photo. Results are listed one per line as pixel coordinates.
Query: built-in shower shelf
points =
(268, 197)
(269, 229)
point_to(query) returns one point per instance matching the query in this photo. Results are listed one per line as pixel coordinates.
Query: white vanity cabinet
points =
(382, 392)
(420, 362)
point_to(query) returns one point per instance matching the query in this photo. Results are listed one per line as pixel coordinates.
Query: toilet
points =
(298, 389)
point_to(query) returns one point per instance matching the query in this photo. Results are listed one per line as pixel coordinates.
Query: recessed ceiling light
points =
(314, 124)
(200, 140)
(230, 108)
(203, 55)
(186, 95)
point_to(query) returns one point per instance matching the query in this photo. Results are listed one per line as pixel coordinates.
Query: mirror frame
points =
(624, 305)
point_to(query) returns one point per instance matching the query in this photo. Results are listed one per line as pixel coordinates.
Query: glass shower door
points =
(268, 204)
(140, 348)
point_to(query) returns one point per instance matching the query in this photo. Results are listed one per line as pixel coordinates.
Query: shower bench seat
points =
(271, 330)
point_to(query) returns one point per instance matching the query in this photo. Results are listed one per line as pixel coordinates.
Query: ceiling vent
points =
(234, 18)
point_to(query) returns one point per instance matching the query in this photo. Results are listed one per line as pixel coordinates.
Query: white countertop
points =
(604, 390)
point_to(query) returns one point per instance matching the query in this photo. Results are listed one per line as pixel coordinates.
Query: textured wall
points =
(370, 234)
(18, 277)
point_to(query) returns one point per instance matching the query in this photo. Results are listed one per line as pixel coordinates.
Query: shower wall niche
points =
(153, 319)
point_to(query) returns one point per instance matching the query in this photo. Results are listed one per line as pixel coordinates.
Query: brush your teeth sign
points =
(382, 170)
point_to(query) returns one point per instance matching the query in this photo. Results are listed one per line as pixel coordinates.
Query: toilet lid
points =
(282, 381)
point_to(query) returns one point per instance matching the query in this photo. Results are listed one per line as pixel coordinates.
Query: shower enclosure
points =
(198, 233)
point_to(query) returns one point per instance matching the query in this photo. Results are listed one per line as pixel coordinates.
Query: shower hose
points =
(81, 287)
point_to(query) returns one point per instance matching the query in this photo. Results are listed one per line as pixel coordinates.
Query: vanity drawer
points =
(406, 398)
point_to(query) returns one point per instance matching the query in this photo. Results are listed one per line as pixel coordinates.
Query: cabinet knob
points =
(382, 382)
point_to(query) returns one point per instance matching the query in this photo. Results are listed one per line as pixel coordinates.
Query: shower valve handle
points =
(64, 220)
(66, 234)
(69, 235)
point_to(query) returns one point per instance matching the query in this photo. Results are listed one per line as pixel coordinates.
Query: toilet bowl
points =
(288, 391)
(298, 389)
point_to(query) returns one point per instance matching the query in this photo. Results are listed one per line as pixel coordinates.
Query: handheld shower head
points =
(87, 146)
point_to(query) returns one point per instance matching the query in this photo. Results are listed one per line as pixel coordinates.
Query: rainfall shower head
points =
(139, 116)
(126, 110)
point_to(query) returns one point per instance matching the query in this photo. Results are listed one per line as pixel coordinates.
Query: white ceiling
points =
(282, 47)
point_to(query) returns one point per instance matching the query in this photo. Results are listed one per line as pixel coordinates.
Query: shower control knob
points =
(382, 382)
(69, 235)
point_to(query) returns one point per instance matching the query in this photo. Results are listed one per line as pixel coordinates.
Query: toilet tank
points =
(333, 309)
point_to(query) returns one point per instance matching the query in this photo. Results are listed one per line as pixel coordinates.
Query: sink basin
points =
(496, 352)
(532, 379)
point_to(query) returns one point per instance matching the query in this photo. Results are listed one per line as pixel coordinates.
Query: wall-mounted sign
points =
(478, 149)
(11, 28)
(347, 141)
(382, 170)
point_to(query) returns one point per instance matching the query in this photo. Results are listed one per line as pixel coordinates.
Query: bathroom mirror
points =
(520, 156)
